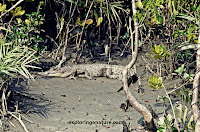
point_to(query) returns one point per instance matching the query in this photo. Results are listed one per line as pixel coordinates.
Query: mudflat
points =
(57, 104)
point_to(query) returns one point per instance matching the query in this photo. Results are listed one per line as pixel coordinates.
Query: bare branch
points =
(137, 106)
(195, 108)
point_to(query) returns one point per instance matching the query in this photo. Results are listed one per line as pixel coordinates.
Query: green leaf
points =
(95, 14)
(139, 4)
(2, 28)
(99, 21)
(27, 22)
(18, 11)
(159, 84)
(2, 7)
(161, 121)
(161, 128)
(160, 20)
(35, 23)
(19, 21)
(184, 116)
(157, 49)
(34, 13)
(187, 17)
(180, 111)
(193, 8)
(190, 121)
(157, 56)
(153, 19)
(180, 70)
(155, 80)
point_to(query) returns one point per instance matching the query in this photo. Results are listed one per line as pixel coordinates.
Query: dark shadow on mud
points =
(26, 103)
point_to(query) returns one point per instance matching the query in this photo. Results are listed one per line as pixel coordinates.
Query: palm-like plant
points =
(15, 59)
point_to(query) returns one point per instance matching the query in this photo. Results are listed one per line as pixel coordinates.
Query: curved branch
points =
(137, 106)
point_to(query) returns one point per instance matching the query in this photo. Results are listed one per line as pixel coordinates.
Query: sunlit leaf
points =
(99, 21)
(139, 4)
(19, 21)
(187, 17)
(84, 41)
(153, 19)
(190, 121)
(18, 9)
(89, 21)
(180, 70)
(95, 14)
(2, 28)
(155, 80)
(2, 7)
(27, 21)
(29, 0)
(184, 116)
(20, 13)
(157, 49)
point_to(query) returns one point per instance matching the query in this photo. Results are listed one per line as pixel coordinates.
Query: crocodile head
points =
(52, 73)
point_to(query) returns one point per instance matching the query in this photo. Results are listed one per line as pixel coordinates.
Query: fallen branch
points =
(19, 119)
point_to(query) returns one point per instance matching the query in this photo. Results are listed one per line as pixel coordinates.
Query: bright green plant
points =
(185, 95)
(189, 32)
(2, 7)
(155, 82)
(154, 15)
(190, 19)
(168, 122)
(159, 52)
(15, 59)
(186, 121)
(189, 77)
(180, 70)
(27, 32)
(18, 11)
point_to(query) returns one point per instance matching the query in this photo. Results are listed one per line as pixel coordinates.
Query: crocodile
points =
(88, 71)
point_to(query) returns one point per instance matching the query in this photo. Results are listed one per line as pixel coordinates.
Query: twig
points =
(65, 46)
(195, 108)
(67, 26)
(172, 108)
(19, 119)
(4, 103)
(11, 8)
(175, 89)
(78, 45)
(109, 28)
(66, 38)
(147, 66)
